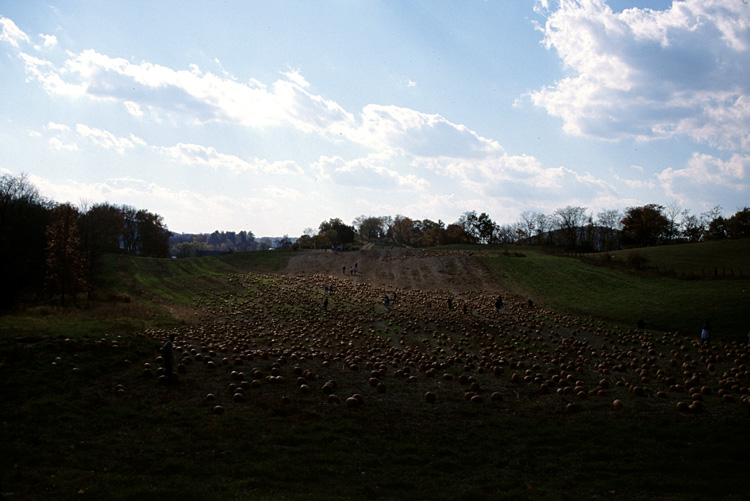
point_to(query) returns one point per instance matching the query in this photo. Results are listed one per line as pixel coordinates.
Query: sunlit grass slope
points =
(725, 258)
(616, 295)
(179, 280)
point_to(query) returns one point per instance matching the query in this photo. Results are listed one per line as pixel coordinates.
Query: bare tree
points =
(610, 222)
(528, 223)
(569, 221)
(692, 226)
(543, 225)
(672, 211)
(507, 233)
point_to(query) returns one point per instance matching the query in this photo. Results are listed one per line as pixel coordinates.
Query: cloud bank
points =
(634, 75)
(649, 74)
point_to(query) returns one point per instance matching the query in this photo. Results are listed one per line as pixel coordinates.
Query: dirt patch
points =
(402, 268)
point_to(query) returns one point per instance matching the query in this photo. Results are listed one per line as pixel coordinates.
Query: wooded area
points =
(569, 229)
(51, 249)
(48, 249)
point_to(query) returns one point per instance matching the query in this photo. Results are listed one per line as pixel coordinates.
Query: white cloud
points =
(185, 209)
(11, 33)
(56, 144)
(283, 194)
(49, 40)
(420, 134)
(137, 140)
(133, 108)
(201, 97)
(705, 177)
(295, 77)
(638, 184)
(106, 139)
(204, 97)
(101, 138)
(50, 78)
(369, 172)
(647, 74)
(520, 180)
(57, 126)
(208, 156)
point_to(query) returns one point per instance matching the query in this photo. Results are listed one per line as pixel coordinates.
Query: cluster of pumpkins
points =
(274, 331)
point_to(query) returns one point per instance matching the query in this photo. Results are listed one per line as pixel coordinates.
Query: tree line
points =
(571, 229)
(53, 249)
(186, 245)
(218, 242)
(56, 249)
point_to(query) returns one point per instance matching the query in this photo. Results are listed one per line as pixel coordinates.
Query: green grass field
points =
(85, 416)
(666, 304)
(719, 258)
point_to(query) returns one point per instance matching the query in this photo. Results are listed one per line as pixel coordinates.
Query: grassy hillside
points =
(613, 294)
(277, 398)
(179, 280)
(567, 284)
(719, 258)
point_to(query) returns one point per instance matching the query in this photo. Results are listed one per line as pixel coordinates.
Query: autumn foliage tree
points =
(66, 266)
(335, 231)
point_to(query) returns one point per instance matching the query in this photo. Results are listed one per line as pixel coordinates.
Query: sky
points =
(274, 116)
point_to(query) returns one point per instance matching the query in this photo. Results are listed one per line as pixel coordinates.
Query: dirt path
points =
(402, 268)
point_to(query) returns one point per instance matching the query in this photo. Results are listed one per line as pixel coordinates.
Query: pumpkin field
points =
(298, 378)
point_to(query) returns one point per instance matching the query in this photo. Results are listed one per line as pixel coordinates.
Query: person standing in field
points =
(706, 333)
(167, 355)
(498, 304)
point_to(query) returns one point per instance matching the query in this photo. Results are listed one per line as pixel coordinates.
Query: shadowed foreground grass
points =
(68, 435)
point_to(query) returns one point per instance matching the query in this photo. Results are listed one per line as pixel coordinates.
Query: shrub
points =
(637, 260)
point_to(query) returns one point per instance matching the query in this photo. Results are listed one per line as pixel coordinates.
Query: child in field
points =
(167, 355)
(706, 333)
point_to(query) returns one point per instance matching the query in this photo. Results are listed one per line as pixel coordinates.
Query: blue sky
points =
(274, 116)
